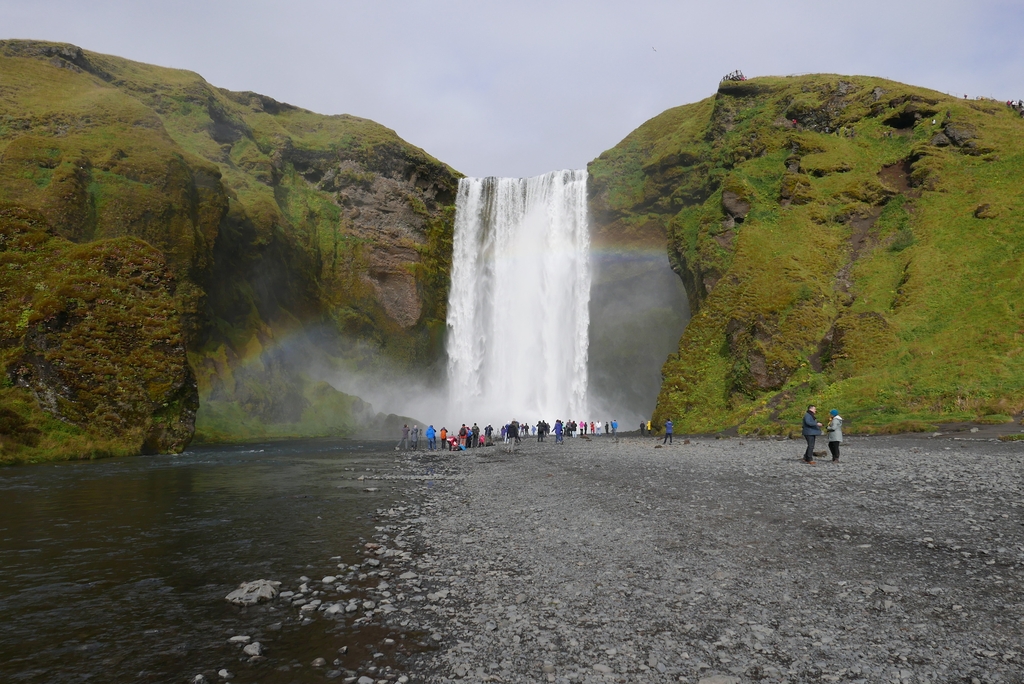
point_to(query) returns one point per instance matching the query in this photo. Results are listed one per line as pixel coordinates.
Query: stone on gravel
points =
(251, 593)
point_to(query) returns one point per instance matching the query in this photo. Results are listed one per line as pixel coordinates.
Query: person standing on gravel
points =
(415, 437)
(513, 436)
(668, 431)
(835, 433)
(431, 437)
(404, 442)
(811, 428)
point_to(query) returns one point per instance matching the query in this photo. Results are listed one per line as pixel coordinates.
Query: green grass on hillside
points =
(918, 323)
(246, 201)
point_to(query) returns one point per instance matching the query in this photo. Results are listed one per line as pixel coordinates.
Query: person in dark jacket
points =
(811, 429)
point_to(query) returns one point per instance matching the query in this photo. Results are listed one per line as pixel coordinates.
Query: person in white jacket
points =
(835, 433)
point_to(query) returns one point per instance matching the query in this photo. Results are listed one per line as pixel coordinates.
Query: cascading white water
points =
(518, 314)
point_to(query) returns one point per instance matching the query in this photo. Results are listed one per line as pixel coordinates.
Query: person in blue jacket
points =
(431, 438)
(668, 431)
(811, 429)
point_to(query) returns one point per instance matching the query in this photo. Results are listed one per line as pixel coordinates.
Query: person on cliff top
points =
(431, 437)
(835, 434)
(668, 431)
(811, 428)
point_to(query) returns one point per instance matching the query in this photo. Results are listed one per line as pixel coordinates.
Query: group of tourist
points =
(1017, 106)
(512, 433)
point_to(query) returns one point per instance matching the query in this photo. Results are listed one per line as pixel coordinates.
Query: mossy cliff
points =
(847, 241)
(164, 241)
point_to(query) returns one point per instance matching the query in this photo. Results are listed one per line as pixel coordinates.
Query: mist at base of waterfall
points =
(638, 312)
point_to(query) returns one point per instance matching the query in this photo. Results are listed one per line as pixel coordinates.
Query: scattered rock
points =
(959, 134)
(251, 593)
(253, 649)
(734, 205)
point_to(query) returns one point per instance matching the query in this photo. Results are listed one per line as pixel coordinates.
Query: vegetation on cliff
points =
(847, 241)
(260, 238)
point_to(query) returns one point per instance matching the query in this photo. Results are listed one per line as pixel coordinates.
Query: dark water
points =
(116, 571)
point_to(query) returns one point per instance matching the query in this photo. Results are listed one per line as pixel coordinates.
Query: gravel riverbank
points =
(720, 561)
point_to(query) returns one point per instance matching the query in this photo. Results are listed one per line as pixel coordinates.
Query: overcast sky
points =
(522, 87)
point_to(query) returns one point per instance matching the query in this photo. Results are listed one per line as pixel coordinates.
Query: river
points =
(116, 570)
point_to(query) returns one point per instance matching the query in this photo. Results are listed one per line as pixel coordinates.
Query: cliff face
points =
(845, 241)
(152, 224)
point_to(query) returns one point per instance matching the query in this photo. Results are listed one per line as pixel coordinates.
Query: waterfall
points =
(518, 316)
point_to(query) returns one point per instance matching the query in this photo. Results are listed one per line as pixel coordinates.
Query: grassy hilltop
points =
(848, 241)
(168, 247)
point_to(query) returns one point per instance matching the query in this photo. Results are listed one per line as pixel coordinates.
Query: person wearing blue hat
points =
(835, 434)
